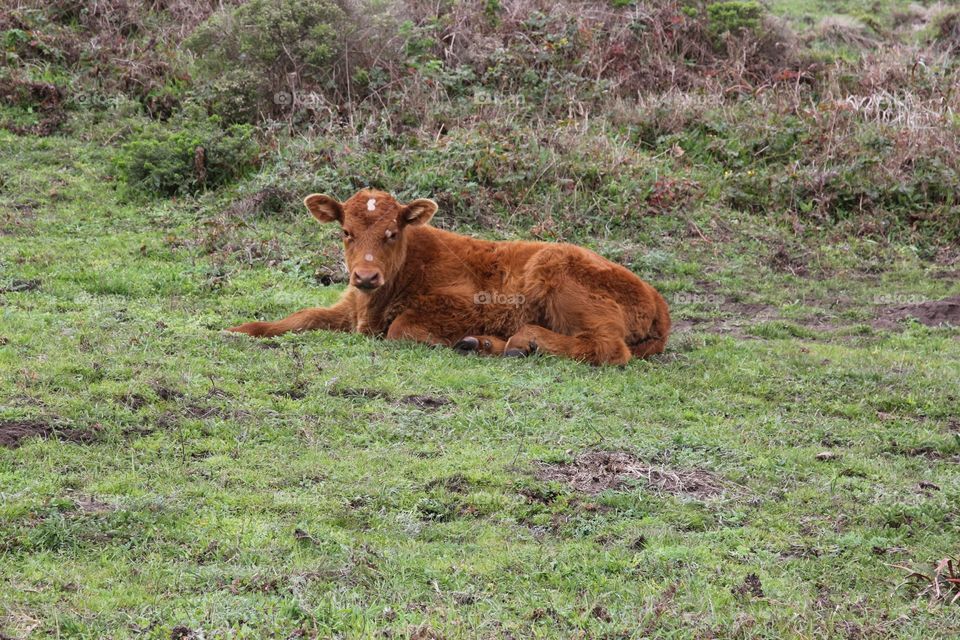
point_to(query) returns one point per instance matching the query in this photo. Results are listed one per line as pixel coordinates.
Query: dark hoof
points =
(515, 353)
(467, 345)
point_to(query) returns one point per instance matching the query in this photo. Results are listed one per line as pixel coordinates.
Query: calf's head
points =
(374, 238)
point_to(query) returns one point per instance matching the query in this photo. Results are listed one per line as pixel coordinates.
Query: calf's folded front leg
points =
(435, 320)
(409, 326)
(484, 345)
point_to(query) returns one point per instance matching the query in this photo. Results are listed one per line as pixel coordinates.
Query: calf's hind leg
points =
(594, 346)
(575, 321)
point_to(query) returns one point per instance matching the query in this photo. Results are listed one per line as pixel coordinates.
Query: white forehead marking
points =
(368, 257)
(371, 204)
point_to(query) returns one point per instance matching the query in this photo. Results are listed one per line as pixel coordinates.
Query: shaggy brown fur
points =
(415, 282)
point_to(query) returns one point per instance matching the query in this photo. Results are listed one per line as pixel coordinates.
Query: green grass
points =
(253, 489)
(807, 11)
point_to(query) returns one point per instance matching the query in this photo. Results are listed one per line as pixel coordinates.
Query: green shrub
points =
(236, 95)
(271, 41)
(187, 157)
(736, 17)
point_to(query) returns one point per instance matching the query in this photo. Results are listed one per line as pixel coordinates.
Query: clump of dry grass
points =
(844, 30)
(911, 17)
(946, 32)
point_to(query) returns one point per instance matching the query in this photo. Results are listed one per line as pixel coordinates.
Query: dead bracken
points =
(594, 472)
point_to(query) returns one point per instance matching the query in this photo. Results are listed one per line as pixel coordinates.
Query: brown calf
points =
(415, 282)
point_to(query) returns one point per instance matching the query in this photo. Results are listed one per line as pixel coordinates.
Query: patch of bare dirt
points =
(740, 315)
(203, 412)
(134, 401)
(222, 237)
(946, 275)
(90, 504)
(421, 401)
(753, 310)
(14, 432)
(296, 391)
(932, 313)
(597, 471)
(358, 392)
(426, 401)
(267, 585)
(600, 613)
(926, 451)
(263, 202)
(166, 392)
(182, 632)
(783, 260)
(737, 317)
(457, 483)
(424, 632)
(17, 286)
(927, 488)
(751, 587)
(18, 217)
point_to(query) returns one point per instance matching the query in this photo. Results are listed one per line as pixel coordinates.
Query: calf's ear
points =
(418, 212)
(324, 208)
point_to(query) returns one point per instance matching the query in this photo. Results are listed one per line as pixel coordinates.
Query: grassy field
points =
(776, 473)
